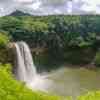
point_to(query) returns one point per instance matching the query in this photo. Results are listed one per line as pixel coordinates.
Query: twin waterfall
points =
(25, 68)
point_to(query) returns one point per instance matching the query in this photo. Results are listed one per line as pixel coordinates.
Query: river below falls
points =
(69, 81)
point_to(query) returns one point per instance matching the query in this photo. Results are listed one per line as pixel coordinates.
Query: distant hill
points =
(19, 13)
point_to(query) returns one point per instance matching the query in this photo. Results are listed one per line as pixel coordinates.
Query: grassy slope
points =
(90, 96)
(10, 89)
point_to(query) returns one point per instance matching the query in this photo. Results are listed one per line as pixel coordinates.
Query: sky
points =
(45, 7)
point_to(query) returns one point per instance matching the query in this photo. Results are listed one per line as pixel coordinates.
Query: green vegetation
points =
(11, 89)
(57, 34)
(4, 51)
(70, 39)
(90, 96)
(97, 58)
(53, 31)
(3, 40)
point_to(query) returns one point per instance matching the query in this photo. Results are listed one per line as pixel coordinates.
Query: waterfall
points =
(25, 68)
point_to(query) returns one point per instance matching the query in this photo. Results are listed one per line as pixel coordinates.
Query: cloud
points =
(24, 1)
(5, 7)
(45, 7)
(35, 7)
(86, 7)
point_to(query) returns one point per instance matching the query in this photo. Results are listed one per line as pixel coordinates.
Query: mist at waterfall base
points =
(26, 71)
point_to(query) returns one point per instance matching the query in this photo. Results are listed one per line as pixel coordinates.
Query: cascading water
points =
(25, 70)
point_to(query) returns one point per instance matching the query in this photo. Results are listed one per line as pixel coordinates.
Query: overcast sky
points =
(45, 7)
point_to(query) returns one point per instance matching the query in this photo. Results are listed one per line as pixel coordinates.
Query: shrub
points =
(97, 59)
(4, 51)
(4, 39)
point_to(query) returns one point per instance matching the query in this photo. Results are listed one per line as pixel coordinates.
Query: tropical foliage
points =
(3, 40)
(58, 34)
(53, 31)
